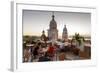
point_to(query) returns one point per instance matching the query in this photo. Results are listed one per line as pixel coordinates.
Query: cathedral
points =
(53, 31)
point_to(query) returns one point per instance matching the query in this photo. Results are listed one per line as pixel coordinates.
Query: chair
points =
(62, 56)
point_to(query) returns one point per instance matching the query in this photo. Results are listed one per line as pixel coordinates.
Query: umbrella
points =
(29, 45)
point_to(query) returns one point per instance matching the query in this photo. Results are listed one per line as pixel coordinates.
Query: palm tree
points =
(78, 39)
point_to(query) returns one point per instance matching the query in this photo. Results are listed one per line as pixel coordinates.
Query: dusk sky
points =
(34, 22)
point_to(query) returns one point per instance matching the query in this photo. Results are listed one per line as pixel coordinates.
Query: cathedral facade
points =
(53, 31)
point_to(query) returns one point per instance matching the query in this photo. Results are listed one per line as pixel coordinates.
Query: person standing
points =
(27, 54)
(51, 51)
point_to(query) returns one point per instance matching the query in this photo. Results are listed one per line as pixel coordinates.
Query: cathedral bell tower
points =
(52, 31)
(65, 34)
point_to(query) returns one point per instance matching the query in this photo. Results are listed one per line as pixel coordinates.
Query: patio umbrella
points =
(29, 45)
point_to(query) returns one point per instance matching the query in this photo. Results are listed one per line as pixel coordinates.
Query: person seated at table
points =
(35, 52)
(62, 47)
(40, 51)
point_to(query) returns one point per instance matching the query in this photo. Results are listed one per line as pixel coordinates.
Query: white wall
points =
(5, 34)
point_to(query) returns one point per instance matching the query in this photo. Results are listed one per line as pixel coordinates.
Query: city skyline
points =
(34, 22)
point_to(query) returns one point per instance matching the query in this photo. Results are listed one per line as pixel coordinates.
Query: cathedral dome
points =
(43, 36)
(53, 24)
